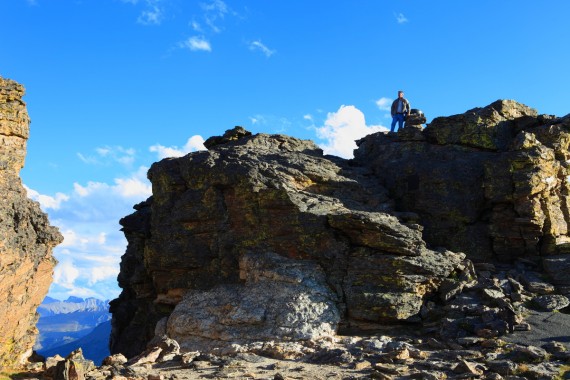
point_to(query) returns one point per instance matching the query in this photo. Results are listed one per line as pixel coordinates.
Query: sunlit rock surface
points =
(26, 237)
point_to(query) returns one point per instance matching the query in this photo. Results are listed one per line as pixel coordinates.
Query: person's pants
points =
(399, 117)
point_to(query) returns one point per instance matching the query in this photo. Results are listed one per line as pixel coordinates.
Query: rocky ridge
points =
(264, 258)
(268, 212)
(263, 239)
(26, 237)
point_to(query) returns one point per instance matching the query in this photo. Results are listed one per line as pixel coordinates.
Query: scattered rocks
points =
(551, 302)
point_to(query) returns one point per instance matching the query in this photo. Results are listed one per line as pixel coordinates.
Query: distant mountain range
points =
(95, 345)
(75, 322)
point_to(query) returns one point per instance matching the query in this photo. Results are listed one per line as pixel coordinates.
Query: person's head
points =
(400, 94)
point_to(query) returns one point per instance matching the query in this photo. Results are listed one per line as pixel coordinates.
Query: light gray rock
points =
(551, 302)
(280, 299)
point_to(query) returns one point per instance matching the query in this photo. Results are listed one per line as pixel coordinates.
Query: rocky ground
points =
(494, 323)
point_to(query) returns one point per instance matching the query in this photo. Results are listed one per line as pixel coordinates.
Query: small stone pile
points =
(415, 119)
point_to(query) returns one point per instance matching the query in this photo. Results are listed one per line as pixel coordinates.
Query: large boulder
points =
(491, 182)
(280, 200)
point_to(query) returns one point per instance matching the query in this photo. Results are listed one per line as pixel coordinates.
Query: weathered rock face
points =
(374, 236)
(26, 238)
(492, 182)
(231, 234)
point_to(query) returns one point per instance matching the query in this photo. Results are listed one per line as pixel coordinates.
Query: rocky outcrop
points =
(263, 237)
(26, 238)
(492, 182)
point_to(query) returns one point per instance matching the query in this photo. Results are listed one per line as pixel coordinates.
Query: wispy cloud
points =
(342, 128)
(196, 26)
(196, 43)
(400, 18)
(193, 144)
(109, 155)
(214, 12)
(271, 123)
(259, 46)
(384, 103)
(151, 16)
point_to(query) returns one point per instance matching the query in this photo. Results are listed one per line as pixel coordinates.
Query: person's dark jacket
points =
(405, 109)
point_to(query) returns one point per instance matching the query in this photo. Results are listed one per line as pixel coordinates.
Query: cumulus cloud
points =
(259, 46)
(47, 202)
(103, 272)
(342, 128)
(193, 144)
(65, 273)
(88, 218)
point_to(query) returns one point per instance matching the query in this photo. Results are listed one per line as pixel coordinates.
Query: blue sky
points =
(114, 85)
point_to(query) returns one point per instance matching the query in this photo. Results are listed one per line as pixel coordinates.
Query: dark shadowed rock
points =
(490, 182)
(262, 244)
(272, 197)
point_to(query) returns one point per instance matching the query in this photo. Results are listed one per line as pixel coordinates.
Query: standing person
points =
(400, 110)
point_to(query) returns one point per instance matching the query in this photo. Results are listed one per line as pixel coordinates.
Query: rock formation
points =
(262, 237)
(492, 183)
(26, 238)
(233, 230)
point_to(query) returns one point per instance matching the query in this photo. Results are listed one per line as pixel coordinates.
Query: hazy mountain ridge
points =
(51, 306)
(65, 325)
(95, 344)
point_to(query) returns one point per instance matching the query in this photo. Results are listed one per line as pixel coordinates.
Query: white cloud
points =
(196, 43)
(259, 46)
(65, 273)
(213, 12)
(342, 128)
(152, 16)
(107, 155)
(273, 123)
(216, 6)
(135, 186)
(88, 218)
(103, 272)
(400, 18)
(47, 202)
(193, 144)
(384, 104)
